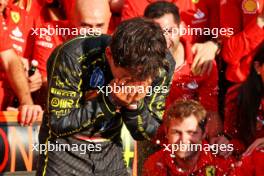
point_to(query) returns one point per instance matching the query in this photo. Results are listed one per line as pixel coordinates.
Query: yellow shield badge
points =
(15, 16)
(210, 171)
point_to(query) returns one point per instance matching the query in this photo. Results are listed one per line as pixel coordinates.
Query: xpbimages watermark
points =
(214, 148)
(213, 32)
(149, 90)
(82, 148)
(64, 31)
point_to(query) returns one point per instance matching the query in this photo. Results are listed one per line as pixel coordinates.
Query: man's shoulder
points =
(155, 164)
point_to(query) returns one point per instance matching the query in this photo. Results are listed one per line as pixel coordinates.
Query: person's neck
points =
(179, 55)
(187, 164)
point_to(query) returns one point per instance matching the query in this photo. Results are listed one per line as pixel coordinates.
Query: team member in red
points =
(244, 115)
(185, 124)
(247, 22)
(18, 24)
(12, 65)
(185, 84)
(194, 14)
(88, 14)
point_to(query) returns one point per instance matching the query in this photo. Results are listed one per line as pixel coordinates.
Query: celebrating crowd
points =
(214, 81)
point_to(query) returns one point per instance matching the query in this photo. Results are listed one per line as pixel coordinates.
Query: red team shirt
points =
(20, 30)
(187, 86)
(251, 165)
(18, 25)
(45, 44)
(238, 50)
(5, 42)
(162, 164)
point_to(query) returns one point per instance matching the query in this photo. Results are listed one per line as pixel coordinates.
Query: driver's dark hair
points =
(139, 44)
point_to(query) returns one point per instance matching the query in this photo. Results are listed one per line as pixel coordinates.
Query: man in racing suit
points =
(82, 111)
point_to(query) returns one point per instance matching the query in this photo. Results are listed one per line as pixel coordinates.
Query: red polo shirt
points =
(5, 42)
(187, 86)
(162, 164)
(20, 25)
(45, 44)
(251, 165)
(238, 50)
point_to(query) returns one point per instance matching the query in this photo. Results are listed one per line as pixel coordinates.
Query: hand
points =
(142, 89)
(221, 140)
(35, 81)
(204, 57)
(133, 90)
(29, 114)
(257, 144)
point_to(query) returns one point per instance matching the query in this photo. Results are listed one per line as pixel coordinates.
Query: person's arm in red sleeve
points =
(242, 44)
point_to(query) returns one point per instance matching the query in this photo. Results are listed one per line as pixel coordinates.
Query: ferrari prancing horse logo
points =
(210, 171)
(15, 16)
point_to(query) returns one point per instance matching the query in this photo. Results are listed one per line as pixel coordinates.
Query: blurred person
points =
(12, 65)
(88, 14)
(238, 50)
(244, 115)
(18, 25)
(185, 124)
(78, 113)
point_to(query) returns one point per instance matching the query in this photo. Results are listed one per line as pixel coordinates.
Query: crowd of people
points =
(214, 84)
